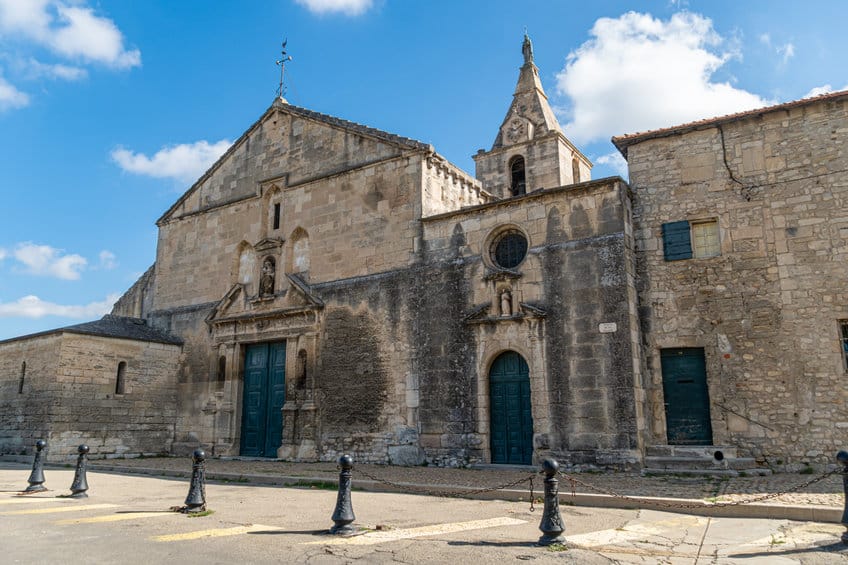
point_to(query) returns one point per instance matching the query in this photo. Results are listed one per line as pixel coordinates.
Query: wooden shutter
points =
(676, 241)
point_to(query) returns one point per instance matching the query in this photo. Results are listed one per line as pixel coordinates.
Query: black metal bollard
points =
(80, 484)
(842, 459)
(196, 499)
(36, 478)
(343, 516)
(551, 525)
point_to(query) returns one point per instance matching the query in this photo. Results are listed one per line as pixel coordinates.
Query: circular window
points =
(509, 250)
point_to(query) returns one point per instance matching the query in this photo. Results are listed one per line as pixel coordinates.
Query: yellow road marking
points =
(68, 508)
(217, 533)
(372, 538)
(115, 517)
(30, 500)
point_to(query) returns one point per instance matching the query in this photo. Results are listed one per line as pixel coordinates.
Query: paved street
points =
(126, 520)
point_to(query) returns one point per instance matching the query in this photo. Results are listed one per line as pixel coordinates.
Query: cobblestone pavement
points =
(827, 492)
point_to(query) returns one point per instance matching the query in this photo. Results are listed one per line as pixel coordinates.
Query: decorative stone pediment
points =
(236, 305)
(485, 314)
(269, 244)
(501, 274)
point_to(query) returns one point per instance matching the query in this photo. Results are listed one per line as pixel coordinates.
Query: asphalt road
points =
(126, 520)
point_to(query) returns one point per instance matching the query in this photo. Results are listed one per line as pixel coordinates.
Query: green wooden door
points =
(263, 399)
(687, 400)
(511, 417)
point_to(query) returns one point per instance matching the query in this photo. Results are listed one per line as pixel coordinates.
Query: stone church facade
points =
(327, 287)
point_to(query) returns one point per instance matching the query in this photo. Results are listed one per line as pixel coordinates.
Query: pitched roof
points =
(283, 105)
(112, 326)
(622, 142)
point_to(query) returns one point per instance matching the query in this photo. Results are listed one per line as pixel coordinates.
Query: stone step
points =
(648, 471)
(705, 451)
(695, 463)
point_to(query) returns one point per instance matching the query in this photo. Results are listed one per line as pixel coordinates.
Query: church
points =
(329, 288)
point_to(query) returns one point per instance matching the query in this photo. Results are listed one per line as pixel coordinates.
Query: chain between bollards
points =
(36, 478)
(551, 525)
(80, 484)
(343, 516)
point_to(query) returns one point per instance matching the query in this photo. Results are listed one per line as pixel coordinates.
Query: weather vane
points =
(284, 58)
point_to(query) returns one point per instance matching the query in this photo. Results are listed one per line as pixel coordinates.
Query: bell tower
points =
(530, 151)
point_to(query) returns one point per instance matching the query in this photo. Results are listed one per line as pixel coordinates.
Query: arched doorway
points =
(511, 419)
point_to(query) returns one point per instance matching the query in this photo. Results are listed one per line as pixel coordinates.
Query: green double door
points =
(687, 399)
(511, 417)
(264, 396)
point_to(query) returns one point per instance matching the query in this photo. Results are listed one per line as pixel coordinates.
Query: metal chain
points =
(768, 496)
(448, 494)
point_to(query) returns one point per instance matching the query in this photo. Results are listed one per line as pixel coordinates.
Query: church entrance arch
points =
(511, 419)
(263, 398)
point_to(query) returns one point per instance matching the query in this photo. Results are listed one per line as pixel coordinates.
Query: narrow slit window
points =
(843, 334)
(23, 376)
(120, 379)
(518, 184)
(222, 370)
(575, 170)
(277, 216)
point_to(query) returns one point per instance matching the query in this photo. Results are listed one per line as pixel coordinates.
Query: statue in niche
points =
(266, 280)
(506, 303)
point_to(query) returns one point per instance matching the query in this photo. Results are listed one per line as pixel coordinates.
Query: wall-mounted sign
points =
(608, 327)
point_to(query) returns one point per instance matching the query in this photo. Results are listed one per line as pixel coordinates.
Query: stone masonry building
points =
(327, 287)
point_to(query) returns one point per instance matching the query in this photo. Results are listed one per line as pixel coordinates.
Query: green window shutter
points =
(676, 241)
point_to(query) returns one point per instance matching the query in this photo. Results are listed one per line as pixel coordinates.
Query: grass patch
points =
(557, 547)
(806, 471)
(200, 514)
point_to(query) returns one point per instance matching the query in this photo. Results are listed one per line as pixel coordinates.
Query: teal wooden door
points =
(263, 399)
(511, 417)
(687, 400)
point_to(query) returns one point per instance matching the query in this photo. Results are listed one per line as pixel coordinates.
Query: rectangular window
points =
(705, 239)
(277, 216)
(843, 334)
(685, 239)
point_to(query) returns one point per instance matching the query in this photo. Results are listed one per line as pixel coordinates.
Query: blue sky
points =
(109, 110)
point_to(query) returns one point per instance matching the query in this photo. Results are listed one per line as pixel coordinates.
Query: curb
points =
(803, 513)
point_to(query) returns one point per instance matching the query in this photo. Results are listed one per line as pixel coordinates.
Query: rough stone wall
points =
(138, 300)
(766, 310)
(547, 165)
(70, 396)
(579, 273)
(26, 416)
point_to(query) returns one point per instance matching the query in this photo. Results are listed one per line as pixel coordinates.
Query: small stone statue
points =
(266, 281)
(506, 303)
(527, 49)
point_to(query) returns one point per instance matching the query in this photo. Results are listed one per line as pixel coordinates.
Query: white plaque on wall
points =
(608, 327)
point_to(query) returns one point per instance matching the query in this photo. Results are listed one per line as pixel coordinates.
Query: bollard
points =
(842, 459)
(80, 484)
(551, 525)
(343, 515)
(36, 478)
(196, 499)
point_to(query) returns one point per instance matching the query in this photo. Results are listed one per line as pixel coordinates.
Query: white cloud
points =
(786, 51)
(615, 161)
(33, 307)
(35, 69)
(184, 162)
(11, 97)
(3, 254)
(73, 31)
(638, 73)
(107, 260)
(48, 261)
(348, 7)
(823, 89)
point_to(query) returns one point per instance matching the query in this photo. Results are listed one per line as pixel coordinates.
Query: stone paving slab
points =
(822, 501)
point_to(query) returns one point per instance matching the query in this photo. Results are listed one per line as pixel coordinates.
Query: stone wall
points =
(578, 274)
(69, 395)
(766, 309)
